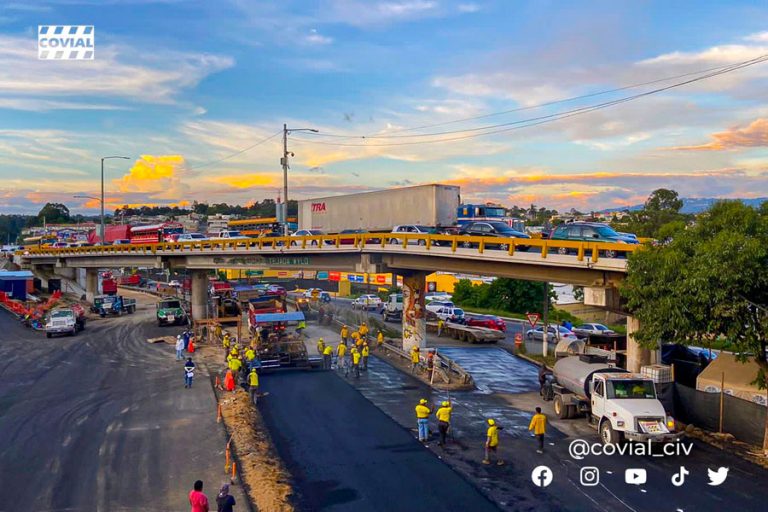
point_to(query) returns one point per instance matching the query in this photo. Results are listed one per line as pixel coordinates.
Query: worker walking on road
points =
(539, 426)
(363, 331)
(253, 385)
(379, 340)
(300, 327)
(320, 346)
(344, 333)
(225, 502)
(440, 325)
(235, 364)
(422, 420)
(327, 357)
(341, 358)
(189, 373)
(197, 500)
(492, 443)
(444, 421)
(415, 358)
(365, 353)
(356, 362)
(179, 348)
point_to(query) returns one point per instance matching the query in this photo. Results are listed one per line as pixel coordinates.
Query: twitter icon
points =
(717, 477)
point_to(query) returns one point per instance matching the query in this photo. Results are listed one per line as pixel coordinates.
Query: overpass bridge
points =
(597, 266)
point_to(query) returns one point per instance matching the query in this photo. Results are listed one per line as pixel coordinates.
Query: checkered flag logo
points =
(65, 42)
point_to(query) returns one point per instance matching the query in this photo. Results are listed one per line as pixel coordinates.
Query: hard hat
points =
(446, 404)
(423, 401)
(491, 422)
(253, 370)
(321, 339)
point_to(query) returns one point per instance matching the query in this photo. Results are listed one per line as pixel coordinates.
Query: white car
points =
(434, 305)
(174, 283)
(438, 296)
(190, 237)
(587, 329)
(308, 293)
(308, 232)
(554, 333)
(366, 302)
(411, 229)
(447, 313)
(228, 234)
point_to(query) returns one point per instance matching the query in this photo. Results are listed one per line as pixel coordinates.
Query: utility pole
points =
(545, 320)
(284, 162)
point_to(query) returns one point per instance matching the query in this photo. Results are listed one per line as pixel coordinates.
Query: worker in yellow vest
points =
(327, 357)
(320, 346)
(344, 333)
(253, 385)
(415, 358)
(380, 340)
(341, 358)
(422, 420)
(539, 426)
(444, 421)
(492, 443)
(356, 362)
(363, 331)
(365, 353)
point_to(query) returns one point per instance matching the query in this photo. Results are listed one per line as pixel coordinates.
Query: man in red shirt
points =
(197, 499)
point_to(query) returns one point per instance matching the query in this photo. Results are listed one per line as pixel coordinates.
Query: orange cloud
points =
(246, 180)
(154, 175)
(754, 135)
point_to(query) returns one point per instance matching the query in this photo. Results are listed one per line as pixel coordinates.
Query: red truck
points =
(114, 232)
(108, 284)
(132, 280)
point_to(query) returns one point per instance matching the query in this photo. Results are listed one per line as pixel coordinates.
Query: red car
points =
(487, 321)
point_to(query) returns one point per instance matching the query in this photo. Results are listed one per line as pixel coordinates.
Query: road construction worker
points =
(422, 420)
(189, 372)
(225, 344)
(341, 362)
(320, 346)
(539, 426)
(444, 420)
(440, 325)
(365, 353)
(363, 330)
(344, 333)
(356, 338)
(356, 356)
(250, 355)
(253, 385)
(327, 357)
(492, 443)
(217, 331)
(415, 358)
(229, 381)
(379, 340)
(300, 327)
(430, 360)
(235, 364)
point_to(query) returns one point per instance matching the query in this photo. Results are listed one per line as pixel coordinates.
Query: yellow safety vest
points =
(422, 412)
(342, 350)
(355, 357)
(538, 424)
(493, 435)
(444, 414)
(253, 379)
(366, 352)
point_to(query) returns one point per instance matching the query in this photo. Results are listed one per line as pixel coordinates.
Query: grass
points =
(555, 315)
(549, 360)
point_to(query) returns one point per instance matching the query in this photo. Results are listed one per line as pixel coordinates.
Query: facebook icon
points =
(541, 476)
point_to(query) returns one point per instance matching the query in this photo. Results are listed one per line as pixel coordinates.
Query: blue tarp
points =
(293, 316)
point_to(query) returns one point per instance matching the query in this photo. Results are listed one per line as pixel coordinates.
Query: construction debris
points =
(171, 340)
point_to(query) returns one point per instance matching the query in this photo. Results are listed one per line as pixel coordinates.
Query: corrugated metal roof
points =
(279, 317)
(20, 274)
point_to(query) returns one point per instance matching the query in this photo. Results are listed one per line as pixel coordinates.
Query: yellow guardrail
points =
(593, 250)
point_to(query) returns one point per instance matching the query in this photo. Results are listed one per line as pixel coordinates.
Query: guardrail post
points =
(511, 251)
(595, 254)
(580, 254)
(454, 244)
(544, 249)
(481, 246)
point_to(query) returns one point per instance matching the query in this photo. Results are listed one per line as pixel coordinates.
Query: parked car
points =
(412, 229)
(275, 289)
(590, 232)
(585, 330)
(554, 333)
(447, 313)
(308, 232)
(487, 321)
(367, 302)
(121, 241)
(494, 229)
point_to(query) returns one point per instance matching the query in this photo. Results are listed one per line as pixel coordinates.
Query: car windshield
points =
(425, 229)
(500, 226)
(601, 327)
(169, 304)
(631, 389)
(196, 235)
(563, 330)
(61, 314)
(314, 232)
(458, 311)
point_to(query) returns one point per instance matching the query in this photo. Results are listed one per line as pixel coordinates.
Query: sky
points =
(183, 87)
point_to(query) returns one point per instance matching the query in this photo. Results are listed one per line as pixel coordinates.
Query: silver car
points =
(585, 330)
(411, 229)
(554, 333)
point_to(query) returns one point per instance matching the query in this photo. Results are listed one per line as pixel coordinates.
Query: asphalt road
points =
(346, 454)
(102, 421)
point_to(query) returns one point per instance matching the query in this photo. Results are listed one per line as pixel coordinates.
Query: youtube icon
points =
(635, 476)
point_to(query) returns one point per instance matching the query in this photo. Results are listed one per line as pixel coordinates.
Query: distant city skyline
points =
(184, 87)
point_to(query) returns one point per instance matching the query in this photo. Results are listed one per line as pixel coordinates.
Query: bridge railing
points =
(356, 241)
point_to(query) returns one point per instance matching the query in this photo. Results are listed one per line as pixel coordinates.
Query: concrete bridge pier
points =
(199, 294)
(637, 355)
(91, 284)
(414, 310)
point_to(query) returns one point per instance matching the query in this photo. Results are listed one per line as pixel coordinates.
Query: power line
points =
(524, 123)
(262, 141)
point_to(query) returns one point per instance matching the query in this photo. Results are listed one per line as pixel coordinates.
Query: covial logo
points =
(541, 476)
(65, 42)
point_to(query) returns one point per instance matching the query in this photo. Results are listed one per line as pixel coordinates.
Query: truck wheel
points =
(561, 409)
(611, 253)
(571, 411)
(159, 323)
(422, 242)
(131, 310)
(562, 250)
(503, 247)
(48, 335)
(466, 245)
(392, 241)
(607, 434)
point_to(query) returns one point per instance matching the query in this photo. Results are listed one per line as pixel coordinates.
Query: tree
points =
(663, 199)
(662, 207)
(53, 213)
(503, 294)
(710, 281)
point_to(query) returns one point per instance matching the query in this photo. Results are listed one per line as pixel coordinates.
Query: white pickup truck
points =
(620, 405)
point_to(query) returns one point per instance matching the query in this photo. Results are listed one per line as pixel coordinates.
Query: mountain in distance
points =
(696, 205)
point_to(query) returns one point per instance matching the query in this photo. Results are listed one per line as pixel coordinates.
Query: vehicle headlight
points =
(619, 423)
(670, 423)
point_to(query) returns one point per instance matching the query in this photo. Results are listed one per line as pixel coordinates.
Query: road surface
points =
(102, 421)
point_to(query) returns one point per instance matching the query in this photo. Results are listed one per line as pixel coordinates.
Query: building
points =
(16, 284)
(190, 222)
(218, 222)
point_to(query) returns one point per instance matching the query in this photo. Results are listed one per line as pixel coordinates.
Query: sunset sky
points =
(180, 85)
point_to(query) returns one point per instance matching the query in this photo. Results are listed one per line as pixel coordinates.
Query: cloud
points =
(158, 79)
(158, 177)
(754, 135)
(243, 181)
(43, 105)
(315, 38)
(760, 37)
(468, 8)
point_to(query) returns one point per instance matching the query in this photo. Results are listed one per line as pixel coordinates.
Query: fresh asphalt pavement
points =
(102, 421)
(501, 378)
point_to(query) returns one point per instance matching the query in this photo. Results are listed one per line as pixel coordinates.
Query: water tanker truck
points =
(620, 405)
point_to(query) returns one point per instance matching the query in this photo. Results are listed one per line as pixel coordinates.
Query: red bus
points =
(156, 233)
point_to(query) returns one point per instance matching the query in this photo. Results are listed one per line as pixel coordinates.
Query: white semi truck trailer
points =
(381, 210)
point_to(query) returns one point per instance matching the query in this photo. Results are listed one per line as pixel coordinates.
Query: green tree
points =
(710, 281)
(662, 207)
(53, 213)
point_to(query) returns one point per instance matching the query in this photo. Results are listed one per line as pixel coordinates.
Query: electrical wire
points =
(524, 123)
(262, 141)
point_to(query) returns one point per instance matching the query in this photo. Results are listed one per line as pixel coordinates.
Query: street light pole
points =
(103, 230)
(284, 162)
